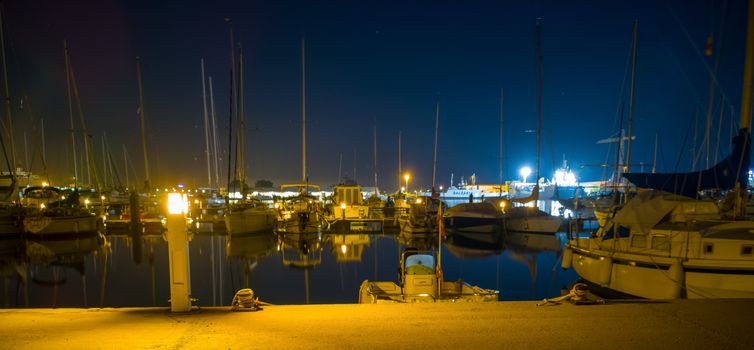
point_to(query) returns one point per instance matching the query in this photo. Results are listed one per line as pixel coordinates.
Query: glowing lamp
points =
(102, 197)
(343, 205)
(177, 203)
(418, 201)
(343, 248)
(502, 204)
(45, 184)
(525, 172)
(41, 206)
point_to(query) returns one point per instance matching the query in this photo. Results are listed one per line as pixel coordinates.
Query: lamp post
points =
(525, 172)
(406, 177)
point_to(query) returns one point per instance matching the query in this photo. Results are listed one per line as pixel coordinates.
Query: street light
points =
(525, 172)
(406, 177)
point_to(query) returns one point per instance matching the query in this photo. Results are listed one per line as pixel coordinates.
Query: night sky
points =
(375, 60)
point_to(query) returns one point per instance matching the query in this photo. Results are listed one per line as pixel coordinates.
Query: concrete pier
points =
(684, 324)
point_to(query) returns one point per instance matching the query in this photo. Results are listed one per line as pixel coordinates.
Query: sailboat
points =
(9, 212)
(421, 215)
(244, 215)
(479, 221)
(526, 219)
(303, 212)
(664, 243)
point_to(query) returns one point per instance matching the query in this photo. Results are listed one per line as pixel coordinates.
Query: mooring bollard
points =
(180, 277)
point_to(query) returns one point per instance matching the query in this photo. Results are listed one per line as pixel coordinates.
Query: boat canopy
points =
(723, 175)
(648, 208)
(420, 264)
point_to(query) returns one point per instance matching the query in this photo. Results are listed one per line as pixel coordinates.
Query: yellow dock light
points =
(45, 184)
(196, 201)
(41, 206)
(406, 177)
(343, 205)
(418, 201)
(177, 203)
(102, 197)
(343, 248)
(62, 198)
(86, 203)
(502, 204)
(276, 205)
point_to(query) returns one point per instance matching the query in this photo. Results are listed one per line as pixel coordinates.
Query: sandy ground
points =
(688, 324)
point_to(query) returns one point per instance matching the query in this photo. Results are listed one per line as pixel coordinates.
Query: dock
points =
(680, 324)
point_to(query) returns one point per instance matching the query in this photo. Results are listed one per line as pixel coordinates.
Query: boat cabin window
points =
(420, 264)
(638, 241)
(708, 248)
(746, 250)
(660, 242)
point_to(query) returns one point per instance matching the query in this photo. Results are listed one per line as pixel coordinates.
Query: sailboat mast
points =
(70, 113)
(374, 146)
(206, 127)
(626, 167)
(6, 97)
(91, 170)
(500, 193)
(141, 118)
(215, 146)
(303, 112)
(746, 95)
(654, 157)
(539, 102)
(400, 176)
(746, 99)
(232, 95)
(241, 128)
(125, 166)
(434, 155)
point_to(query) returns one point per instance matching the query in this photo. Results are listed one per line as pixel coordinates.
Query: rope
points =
(577, 295)
(244, 299)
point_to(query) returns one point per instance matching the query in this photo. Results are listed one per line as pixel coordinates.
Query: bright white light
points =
(565, 178)
(41, 206)
(343, 248)
(525, 172)
(418, 201)
(403, 188)
(343, 205)
(177, 203)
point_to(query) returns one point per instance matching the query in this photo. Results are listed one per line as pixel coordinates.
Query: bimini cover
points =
(646, 210)
(723, 175)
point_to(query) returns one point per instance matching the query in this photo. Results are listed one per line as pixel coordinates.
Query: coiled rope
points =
(577, 295)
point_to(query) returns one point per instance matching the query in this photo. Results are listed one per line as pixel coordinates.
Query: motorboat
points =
(419, 281)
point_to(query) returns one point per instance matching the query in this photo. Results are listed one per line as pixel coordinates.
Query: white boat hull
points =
(657, 278)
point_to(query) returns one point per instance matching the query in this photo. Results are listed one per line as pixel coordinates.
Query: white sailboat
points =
(302, 213)
(526, 219)
(244, 215)
(667, 246)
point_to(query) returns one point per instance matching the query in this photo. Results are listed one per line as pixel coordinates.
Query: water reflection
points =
(286, 268)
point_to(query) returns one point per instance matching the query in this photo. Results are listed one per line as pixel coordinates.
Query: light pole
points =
(406, 177)
(525, 172)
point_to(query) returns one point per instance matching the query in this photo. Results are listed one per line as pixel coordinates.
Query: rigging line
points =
(696, 50)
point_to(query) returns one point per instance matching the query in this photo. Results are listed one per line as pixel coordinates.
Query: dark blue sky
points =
(380, 60)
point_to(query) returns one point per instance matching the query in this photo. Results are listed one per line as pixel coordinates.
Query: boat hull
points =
(657, 278)
(249, 221)
(62, 225)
